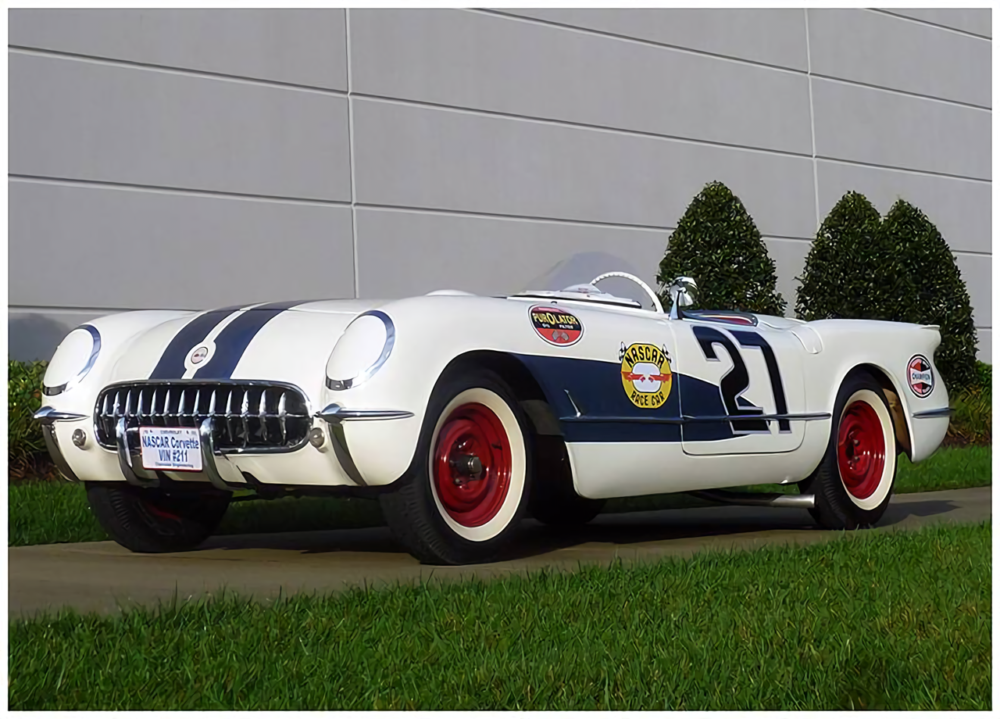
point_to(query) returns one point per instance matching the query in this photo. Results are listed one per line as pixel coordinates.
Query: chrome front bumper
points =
(47, 417)
(129, 453)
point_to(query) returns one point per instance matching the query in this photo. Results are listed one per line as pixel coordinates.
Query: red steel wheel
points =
(861, 449)
(472, 465)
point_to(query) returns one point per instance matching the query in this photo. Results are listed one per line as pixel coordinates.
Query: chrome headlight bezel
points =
(339, 385)
(95, 351)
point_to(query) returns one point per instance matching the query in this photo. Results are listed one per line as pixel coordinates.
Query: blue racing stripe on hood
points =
(233, 341)
(171, 364)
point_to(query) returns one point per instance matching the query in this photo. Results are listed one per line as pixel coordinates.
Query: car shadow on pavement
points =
(618, 529)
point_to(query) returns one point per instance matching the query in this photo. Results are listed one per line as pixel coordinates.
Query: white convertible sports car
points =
(462, 414)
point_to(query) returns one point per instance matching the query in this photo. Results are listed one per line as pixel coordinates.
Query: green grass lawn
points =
(48, 512)
(887, 620)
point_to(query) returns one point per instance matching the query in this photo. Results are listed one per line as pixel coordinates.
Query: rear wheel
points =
(151, 520)
(467, 491)
(853, 483)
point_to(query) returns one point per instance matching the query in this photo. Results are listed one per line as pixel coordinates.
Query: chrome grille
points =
(249, 416)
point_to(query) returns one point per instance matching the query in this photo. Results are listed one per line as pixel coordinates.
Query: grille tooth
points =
(197, 405)
(229, 417)
(262, 414)
(166, 409)
(244, 414)
(180, 409)
(282, 413)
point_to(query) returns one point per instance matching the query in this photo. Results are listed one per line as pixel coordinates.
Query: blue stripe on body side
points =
(233, 341)
(609, 415)
(171, 364)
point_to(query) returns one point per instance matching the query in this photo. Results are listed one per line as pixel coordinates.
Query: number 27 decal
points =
(737, 380)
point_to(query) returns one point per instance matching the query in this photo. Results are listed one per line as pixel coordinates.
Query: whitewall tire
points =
(468, 487)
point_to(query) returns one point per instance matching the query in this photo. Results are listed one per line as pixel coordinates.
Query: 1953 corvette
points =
(462, 413)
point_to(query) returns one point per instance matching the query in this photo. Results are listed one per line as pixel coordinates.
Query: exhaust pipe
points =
(757, 499)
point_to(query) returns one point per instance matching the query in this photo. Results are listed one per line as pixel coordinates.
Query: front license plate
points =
(170, 448)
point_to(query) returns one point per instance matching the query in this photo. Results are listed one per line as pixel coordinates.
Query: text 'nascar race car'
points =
(462, 414)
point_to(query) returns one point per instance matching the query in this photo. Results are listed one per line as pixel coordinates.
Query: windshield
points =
(582, 267)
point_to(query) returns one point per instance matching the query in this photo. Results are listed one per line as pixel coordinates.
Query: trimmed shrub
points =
(898, 268)
(929, 290)
(24, 398)
(845, 270)
(717, 243)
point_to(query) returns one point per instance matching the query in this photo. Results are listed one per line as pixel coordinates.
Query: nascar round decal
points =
(920, 376)
(556, 326)
(646, 375)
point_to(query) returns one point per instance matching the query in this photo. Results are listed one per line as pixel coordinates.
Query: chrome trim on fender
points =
(390, 339)
(95, 350)
(334, 414)
(48, 415)
(135, 475)
(208, 453)
(55, 452)
(934, 413)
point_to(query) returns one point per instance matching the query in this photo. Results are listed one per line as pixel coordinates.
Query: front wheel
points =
(152, 520)
(853, 483)
(468, 488)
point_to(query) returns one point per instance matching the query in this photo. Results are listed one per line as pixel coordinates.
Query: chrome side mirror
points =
(681, 295)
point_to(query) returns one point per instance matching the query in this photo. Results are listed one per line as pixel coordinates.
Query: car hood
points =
(284, 341)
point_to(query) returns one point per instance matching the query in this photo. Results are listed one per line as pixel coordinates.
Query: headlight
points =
(74, 358)
(361, 350)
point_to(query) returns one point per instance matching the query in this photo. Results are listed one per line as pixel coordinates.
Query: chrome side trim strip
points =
(334, 413)
(208, 465)
(52, 444)
(133, 474)
(804, 417)
(390, 340)
(47, 415)
(934, 413)
(758, 499)
(686, 419)
(94, 352)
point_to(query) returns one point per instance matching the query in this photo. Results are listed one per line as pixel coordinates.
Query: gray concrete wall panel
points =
(978, 21)
(90, 121)
(892, 130)
(977, 271)
(961, 209)
(772, 37)
(301, 47)
(985, 346)
(886, 52)
(484, 255)
(492, 63)
(419, 157)
(789, 258)
(107, 247)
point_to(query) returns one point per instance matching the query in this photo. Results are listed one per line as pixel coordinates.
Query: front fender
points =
(430, 333)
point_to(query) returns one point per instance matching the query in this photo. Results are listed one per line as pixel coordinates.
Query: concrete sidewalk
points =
(101, 576)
